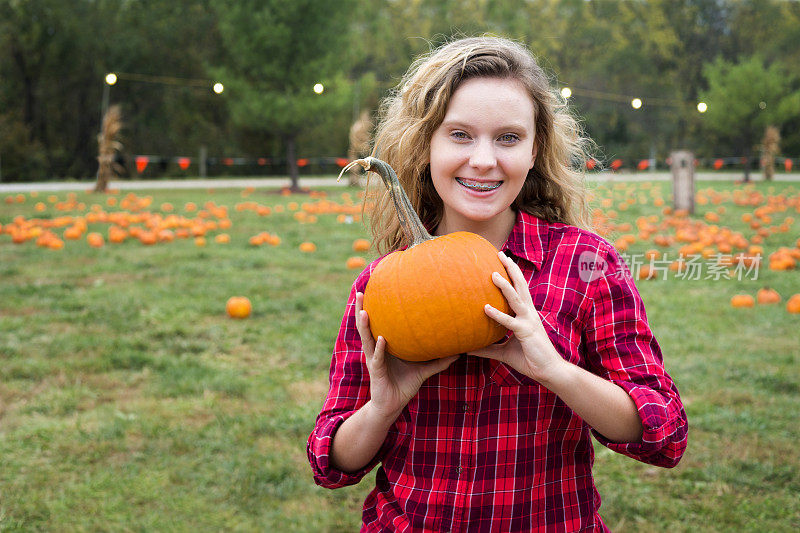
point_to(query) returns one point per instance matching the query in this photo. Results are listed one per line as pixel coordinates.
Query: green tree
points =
(744, 98)
(276, 51)
(53, 57)
(45, 56)
(175, 40)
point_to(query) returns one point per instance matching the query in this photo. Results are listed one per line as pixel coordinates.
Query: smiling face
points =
(481, 154)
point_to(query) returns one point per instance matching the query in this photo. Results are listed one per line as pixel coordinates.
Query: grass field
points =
(130, 402)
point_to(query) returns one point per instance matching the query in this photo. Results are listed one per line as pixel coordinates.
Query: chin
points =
(479, 215)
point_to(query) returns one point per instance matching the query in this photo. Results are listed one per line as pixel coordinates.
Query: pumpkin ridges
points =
(468, 320)
(488, 293)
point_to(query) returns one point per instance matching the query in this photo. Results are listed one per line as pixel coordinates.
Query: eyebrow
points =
(514, 126)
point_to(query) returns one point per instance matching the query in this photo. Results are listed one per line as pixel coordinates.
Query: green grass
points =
(129, 401)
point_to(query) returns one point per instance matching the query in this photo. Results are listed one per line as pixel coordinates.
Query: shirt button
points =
(466, 407)
(458, 471)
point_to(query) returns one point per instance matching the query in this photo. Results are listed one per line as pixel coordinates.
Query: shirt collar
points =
(528, 239)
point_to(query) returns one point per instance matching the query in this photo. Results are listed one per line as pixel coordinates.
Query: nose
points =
(483, 156)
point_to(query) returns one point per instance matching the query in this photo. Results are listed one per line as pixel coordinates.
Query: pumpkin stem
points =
(412, 226)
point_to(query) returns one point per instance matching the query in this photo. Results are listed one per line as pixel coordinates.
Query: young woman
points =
(499, 439)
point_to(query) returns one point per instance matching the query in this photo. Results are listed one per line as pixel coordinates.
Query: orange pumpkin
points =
(645, 272)
(147, 237)
(444, 315)
(354, 263)
(742, 300)
(73, 233)
(308, 247)
(117, 234)
(238, 307)
(95, 240)
(361, 245)
(793, 305)
(765, 295)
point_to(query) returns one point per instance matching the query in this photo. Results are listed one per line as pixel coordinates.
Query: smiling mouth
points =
(478, 186)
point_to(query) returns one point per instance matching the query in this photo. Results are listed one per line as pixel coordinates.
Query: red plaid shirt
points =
(484, 448)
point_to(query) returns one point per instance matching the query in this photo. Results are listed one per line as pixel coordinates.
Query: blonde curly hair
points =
(554, 189)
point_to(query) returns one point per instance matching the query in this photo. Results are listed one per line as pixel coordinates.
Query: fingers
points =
(438, 365)
(515, 300)
(368, 343)
(379, 352)
(517, 277)
(507, 321)
(493, 351)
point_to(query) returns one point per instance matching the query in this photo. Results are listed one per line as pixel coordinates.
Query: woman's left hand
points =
(529, 350)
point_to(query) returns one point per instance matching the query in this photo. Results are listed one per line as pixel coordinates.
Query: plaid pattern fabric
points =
(484, 448)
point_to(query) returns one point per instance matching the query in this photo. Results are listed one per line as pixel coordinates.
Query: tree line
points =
(739, 57)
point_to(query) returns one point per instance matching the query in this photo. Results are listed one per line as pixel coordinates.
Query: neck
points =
(496, 230)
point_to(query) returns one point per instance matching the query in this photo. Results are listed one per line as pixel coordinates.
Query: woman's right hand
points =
(393, 381)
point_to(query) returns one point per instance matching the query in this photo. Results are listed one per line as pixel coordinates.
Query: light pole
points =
(110, 80)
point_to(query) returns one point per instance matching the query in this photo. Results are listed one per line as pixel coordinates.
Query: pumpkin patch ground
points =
(124, 380)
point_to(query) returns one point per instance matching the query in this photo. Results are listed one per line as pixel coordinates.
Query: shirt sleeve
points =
(348, 391)
(621, 348)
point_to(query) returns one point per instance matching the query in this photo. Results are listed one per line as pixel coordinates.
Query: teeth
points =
(479, 186)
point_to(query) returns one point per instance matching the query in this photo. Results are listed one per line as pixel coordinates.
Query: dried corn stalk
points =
(108, 147)
(360, 139)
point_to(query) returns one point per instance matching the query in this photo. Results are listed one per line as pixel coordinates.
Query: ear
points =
(533, 155)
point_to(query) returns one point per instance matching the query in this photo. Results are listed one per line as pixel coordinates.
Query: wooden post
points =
(682, 167)
(203, 161)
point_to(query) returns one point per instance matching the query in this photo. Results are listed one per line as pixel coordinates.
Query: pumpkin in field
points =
(95, 240)
(117, 234)
(361, 245)
(354, 263)
(793, 305)
(238, 307)
(308, 247)
(427, 301)
(765, 295)
(742, 300)
(646, 272)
